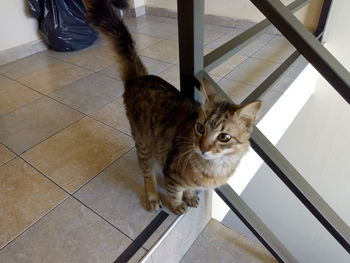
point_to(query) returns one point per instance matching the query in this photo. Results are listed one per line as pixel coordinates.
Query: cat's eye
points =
(224, 137)
(200, 128)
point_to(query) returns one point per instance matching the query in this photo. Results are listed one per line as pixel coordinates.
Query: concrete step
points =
(220, 244)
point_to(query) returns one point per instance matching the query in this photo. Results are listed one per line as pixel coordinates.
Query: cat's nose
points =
(204, 152)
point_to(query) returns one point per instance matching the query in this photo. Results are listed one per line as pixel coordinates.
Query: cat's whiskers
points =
(178, 159)
(189, 157)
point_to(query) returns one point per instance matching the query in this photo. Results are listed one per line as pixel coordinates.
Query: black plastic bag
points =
(62, 23)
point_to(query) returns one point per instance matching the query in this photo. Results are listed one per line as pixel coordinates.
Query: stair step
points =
(218, 243)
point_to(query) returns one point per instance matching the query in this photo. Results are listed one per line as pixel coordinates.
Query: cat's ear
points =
(208, 95)
(249, 112)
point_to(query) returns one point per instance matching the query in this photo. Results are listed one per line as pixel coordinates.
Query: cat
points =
(198, 146)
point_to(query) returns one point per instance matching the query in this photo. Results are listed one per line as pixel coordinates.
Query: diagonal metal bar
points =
(225, 51)
(254, 224)
(301, 188)
(307, 45)
(267, 84)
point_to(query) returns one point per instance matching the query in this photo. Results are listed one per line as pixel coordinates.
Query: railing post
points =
(191, 28)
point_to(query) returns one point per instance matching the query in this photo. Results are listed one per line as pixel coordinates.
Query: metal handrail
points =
(312, 50)
(306, 43)
(231, 47)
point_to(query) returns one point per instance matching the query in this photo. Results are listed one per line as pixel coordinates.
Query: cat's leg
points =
(175, 195)
(191, 198)
(149, 174)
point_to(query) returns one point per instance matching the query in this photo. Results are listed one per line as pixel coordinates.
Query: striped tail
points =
(101, 13)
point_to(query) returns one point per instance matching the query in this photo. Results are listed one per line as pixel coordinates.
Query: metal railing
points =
(192, 66)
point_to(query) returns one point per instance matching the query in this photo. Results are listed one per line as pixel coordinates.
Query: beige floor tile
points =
(13, 95)
(71, 233)
(252, 71)
(166, 50)
(156, 29)
(144, 41)
(118, 195)
(53, 77)
(25, 196)
(5, 154)
(230, 246)
(277, 50)
(78, 153)
(113, 114)
(226, 67)
(33, 123)
(3, 80)
(94, 59)
(26, 65)
(235, 90)
(172, 75)
(215, 78)
(153, 66)
(61, 55)
(209, 35)
(89, 93)
(249, 50)
(111, 71)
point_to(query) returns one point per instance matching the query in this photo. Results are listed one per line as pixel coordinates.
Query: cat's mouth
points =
(206, 155)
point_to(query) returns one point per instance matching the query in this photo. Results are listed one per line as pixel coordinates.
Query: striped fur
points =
(165, 125)
(102, 15)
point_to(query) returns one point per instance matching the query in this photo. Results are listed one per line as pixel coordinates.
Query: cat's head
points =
(222, 128)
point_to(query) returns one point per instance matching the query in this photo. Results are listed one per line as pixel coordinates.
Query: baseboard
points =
(210, 19)
(136, 12)
(12, 54)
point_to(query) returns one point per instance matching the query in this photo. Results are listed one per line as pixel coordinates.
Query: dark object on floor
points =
(62, 24)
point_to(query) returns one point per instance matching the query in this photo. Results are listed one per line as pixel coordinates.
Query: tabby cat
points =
(198, 146)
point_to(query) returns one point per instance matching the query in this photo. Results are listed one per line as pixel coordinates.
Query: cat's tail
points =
(102, 14)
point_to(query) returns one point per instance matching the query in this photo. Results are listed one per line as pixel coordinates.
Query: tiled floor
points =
(70, 187)
(230, 246)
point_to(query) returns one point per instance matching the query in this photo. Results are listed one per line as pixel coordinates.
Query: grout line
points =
(241, 82)
(246, 58)
(269, 61)
(34, 223)
(104, 219)
(109, 125)
(117, 159)
(43, 174)
(68, 196)
(58, 131)
(70, 107)
(158, 60)
(9, 160)
(142, 237)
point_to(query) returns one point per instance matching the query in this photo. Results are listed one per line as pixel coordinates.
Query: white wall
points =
(136, 3)
(317, 143)
(244, 9)
(280, 116)
(16, 27)
(323, 127)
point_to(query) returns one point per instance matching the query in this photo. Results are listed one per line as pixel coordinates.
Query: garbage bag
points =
(62, 23)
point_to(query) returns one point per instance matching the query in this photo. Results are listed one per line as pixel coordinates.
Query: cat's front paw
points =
(192, 201)
(154, 204)
(181, 209)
